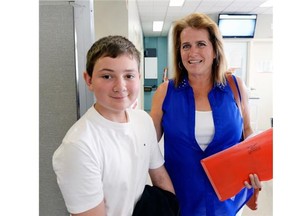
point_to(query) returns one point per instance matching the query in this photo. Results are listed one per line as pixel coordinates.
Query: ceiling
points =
(159, 10)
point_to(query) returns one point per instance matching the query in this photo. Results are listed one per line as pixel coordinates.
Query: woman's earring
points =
(216, 61)
(179, 66)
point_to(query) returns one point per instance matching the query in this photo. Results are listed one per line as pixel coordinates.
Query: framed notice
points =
(150, 68)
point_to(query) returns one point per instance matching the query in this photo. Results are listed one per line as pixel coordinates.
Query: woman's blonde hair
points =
(199, 21)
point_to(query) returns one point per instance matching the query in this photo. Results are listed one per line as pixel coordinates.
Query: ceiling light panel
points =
(176, 3)
(157, 26)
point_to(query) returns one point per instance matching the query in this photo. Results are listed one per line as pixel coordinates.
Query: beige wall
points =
(110, 17)
(120, 17)
(135, 34)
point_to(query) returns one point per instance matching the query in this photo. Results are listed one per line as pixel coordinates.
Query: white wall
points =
(261, 79)
(264, 26)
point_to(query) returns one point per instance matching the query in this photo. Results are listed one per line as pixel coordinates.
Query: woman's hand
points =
(252, 203)
(254, 182)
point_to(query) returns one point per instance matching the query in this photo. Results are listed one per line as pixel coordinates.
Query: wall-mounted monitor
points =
(237, 25)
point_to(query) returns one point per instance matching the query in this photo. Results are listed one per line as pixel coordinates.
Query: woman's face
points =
(196, 50)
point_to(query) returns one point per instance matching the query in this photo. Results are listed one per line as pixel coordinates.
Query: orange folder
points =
(228, 169)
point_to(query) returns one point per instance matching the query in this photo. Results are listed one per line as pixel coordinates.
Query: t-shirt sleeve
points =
(78, 176)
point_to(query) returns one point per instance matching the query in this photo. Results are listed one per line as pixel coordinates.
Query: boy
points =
(103, 162)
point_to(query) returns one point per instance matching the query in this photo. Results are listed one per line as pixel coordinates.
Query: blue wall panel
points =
(160, 43)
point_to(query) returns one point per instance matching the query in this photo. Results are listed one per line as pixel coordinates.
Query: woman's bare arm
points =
(156, 108)
(245, 105)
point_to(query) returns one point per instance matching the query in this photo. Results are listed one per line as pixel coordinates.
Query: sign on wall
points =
(150, 68)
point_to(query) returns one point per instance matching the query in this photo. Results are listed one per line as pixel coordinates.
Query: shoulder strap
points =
(237, 96)
(235, 91)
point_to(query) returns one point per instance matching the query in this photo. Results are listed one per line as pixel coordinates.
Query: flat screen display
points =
(237, 25)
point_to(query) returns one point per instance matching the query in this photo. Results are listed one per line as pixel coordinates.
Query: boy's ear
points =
(87, 79)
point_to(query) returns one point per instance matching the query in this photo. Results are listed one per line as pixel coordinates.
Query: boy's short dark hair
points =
(110, 46)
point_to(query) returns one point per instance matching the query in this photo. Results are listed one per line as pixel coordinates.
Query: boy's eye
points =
(106, 77)
(130, 76)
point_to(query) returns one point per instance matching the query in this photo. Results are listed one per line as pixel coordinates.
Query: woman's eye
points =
(201, 44)
(186, 47)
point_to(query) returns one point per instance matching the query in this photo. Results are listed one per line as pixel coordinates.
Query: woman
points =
(198, 116)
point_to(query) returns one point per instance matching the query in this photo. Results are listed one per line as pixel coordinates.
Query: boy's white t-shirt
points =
(100, 159)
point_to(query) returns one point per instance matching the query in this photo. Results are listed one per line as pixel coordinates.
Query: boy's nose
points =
(119, 86)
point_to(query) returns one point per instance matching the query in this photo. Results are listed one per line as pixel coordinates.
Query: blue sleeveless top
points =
(182, 153)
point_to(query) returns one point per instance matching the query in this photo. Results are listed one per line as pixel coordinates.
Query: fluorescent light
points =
(157, 26)
(268, 3)
(176, 3)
